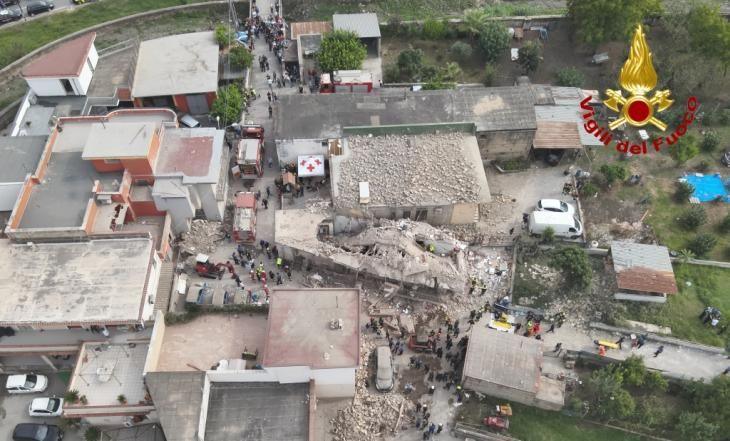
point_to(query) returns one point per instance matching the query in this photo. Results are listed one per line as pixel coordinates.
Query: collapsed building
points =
(397, 251)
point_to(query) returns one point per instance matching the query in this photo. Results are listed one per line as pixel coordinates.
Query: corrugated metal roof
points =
(641, 267)
(309, 27)
(556, 135)
(566, 113)
(364, 25)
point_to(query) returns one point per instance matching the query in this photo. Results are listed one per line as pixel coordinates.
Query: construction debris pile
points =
(203, 237)
(371, 415)
(412, 170)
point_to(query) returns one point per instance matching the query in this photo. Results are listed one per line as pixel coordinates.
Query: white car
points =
(555, 205)
(26, 383)
(46, 407)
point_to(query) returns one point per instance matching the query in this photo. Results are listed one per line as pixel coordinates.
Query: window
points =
(66, 84)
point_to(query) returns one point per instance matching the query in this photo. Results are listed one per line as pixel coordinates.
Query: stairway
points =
(164, 287)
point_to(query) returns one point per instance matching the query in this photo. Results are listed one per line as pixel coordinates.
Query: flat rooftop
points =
(94, 282)
(257, 411)
(299, 331)
(177, 397)
(105, 371)
(177, 65)
(114, 69)
(322, 116)
(116, 139)
(410, 170)
(364, 25)
(21, 155)
(61, 199)
(210, 338)
(194, 154)
(504, 359)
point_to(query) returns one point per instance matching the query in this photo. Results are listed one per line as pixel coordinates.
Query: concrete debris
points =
(203, 237)
(317, 205)
(371, 415)
(419, 170)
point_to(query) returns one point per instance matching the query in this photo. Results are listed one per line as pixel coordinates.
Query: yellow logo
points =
(638, 77)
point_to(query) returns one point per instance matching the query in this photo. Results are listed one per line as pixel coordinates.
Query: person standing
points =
(266, 203)
(620, 341)
(659, 350)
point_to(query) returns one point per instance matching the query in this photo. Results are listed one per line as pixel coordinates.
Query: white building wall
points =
(334, 383)
(93, 56)
(289, 150)
(46, 86)
(209, 204)
(291, 374)
(148, 311)
(9, 192)
(81, 84)
(180, 210)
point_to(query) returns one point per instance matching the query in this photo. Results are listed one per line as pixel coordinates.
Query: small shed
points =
(643, 272)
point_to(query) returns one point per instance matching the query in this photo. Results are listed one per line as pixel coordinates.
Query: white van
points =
(384, 377)
(563, 224)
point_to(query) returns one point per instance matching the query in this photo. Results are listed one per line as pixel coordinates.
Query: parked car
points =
(12, 13)
(37, 432)
(26, 383)
(562, 224)
(8, 3)
(726, 159)
(555, 205)
(46, 407)
(384, 376)
(39, 6)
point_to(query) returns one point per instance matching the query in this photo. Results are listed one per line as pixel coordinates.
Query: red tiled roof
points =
(66, 60)
(647, 280)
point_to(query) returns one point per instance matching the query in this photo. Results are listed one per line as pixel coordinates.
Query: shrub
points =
(683, 191)
(228, 105)
(724, 225)
(529, 56)
(461, 51)
(609, 399)
(702, 244)
(654, 382)
(570, 77)
(693, 427)
(692, 218)
(709, 142)
(71, 396)
(410, 64)
(651, 411)
(391, 74)
(223, 36)
(589, 189)
(548, 236)
(632, 371)
(493, 40)
(574, 262)
(724, 117)
(341, 50)
(684, 149)
(92, 434)
(434, 29)
(240, 57)
(613, 172)
(490, 71)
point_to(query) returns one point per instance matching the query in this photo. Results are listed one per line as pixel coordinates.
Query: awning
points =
(557, 135)
(311, 165)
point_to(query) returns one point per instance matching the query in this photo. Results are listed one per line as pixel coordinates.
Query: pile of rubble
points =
(317, 205)
(203, 237)
(371, 415)
(547, 276)
(413, 170)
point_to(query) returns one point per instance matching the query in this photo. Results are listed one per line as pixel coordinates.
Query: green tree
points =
(609, 399)
(529, 56)
(240, 57)
(490, 72)
(654, 382)
(410, 63)
(574, 262)
(682, 192)
(223, 35)
(710, 142)
(461, 51)
(651, 411)
(493, 40)
(341, 50)
(599, 21)
(684, 149)
(709, 33)
(475, 20)
(632, 371)
(613, 172)
(570, 77)
(702, 244)
(434, 29)
(693, 427)
(228, 105)
(693, 217)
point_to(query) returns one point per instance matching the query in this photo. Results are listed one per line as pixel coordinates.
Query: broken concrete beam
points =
(383, 312)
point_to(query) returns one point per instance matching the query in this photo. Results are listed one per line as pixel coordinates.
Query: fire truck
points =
(346, 81)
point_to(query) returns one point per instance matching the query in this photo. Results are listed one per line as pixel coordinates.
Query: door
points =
(197, 104)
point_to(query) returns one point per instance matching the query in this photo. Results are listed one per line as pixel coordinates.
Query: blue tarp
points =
(708, 188)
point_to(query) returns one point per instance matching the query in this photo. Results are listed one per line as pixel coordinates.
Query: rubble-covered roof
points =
(299, 332)
(322, 116)
(365, 25)
(66, 60)
(392, 251)
(504, 359)
(410, 170)
(641, 267)
(95, 282)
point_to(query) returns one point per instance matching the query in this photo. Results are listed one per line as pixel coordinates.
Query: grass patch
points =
(533, 424)
(19, 40)
(708, 287)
